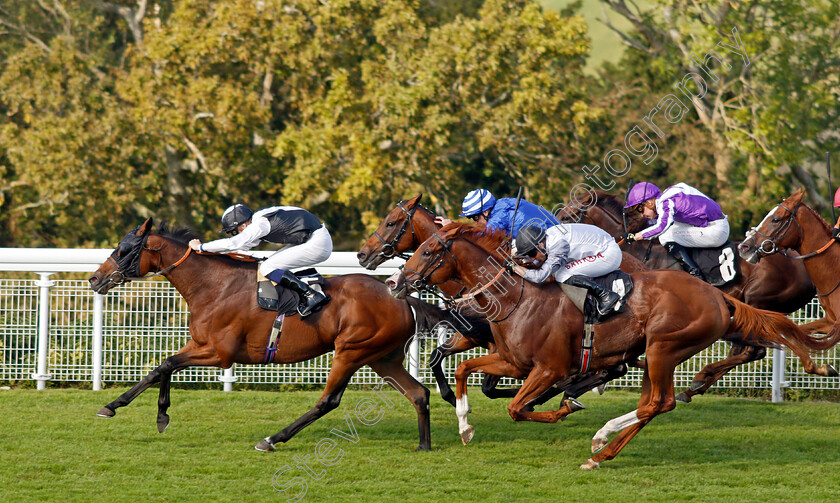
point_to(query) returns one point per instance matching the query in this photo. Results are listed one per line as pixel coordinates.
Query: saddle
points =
(719, 265)
(289, 300)
(617, 281)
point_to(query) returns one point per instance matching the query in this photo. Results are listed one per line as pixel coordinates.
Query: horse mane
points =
(609, 202)
(826, 226)
(487, 238)
(182, 235)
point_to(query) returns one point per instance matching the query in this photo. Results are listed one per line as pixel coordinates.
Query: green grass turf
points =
(53, 448)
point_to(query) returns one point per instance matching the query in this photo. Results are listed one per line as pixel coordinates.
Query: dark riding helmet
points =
(529, 240)
(235, 216)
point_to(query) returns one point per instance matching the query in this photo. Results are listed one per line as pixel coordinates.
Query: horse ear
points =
(145, 227)
(414, 201)
(796, 197)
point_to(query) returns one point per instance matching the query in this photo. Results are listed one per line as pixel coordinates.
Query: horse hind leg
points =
(342, 370)
(739, 354)
(393, 373)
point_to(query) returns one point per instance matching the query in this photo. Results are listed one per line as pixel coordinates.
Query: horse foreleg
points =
(205, 356)
(489, 364)
(456, 344)
(392, 372)
(739, 354)
(343, 367)
(151, 378)
(539, 380)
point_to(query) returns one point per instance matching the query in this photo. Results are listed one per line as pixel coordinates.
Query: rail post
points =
(44, 284)
(779, 362)
(228, 378)
(98, 320)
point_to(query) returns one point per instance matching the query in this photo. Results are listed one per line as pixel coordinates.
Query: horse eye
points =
(776, 220)
(390, 224)
(426, 253)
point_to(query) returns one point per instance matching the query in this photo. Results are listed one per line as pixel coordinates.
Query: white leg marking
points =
(616, 425)
(462, 409)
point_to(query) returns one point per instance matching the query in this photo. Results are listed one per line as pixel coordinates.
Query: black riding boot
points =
(684, 258)
(310, 299)
(606, 299)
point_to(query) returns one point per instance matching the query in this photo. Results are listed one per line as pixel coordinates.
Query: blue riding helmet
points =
(477, 201)
(640, 193)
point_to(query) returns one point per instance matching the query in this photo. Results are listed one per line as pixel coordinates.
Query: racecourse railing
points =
(56, 329)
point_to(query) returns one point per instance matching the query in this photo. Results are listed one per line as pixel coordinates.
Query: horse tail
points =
(776, 328)
(428, 316)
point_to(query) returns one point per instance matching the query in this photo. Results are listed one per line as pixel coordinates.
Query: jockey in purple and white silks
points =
(685, 217)
(572, 253)
(310, 242)
(481, 206)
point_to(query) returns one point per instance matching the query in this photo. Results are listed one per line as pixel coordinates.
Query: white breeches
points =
(314, 251)
(711, 236)
(593, 266)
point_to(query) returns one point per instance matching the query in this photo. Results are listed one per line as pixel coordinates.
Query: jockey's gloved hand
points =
(628, 237)
(835, 233)
(509, 265)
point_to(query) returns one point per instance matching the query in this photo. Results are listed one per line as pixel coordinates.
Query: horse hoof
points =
(695, 385)
(467, 435)
(162, 424)
(573, 404)
(264, 446)
(597, 445)
(105, 412)
(601, 388)
(683, 397)
(423, 448)
(589, 465)
(830, 371)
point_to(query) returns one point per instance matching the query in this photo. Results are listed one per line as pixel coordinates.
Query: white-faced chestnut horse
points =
(363, 324)
(670, 316)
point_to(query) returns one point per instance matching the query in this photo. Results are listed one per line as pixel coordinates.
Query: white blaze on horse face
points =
(766, 217)
(462, 408)
(616, 425)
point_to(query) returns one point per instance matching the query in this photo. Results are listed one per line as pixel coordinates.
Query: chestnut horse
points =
(363, 324)
(670, 317)
(778, 284)
(795, 230)
(403, 229)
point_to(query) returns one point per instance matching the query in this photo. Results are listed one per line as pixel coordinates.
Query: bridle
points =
(389, 247)
(768, 246)
(421, 283)
(130, 270)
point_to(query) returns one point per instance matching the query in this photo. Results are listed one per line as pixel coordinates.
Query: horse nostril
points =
(392, 284)
(360, 256)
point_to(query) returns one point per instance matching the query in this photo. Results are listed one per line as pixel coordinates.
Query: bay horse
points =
(778, 284)
(670, 317)
(793, 229)
(363, 324)
(403, 230)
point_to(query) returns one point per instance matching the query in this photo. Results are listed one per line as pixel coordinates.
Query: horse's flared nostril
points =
(392, 284)
(361, 255)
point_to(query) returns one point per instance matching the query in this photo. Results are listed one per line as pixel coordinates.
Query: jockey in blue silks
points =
(685, 217)
(481, 206)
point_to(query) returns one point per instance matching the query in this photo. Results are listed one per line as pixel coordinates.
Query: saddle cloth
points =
(719, 265)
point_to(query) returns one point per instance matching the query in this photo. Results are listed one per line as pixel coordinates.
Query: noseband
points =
(421, 283)
(389, 247)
